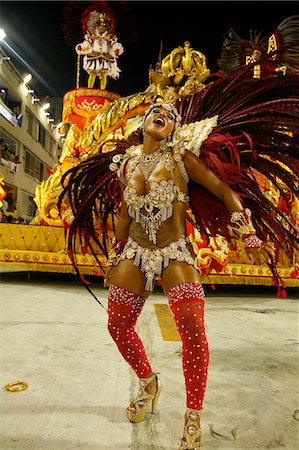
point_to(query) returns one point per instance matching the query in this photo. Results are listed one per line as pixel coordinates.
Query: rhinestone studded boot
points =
(191, 439)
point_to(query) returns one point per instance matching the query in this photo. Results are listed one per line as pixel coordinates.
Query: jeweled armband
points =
(115, 250)
(241, 225)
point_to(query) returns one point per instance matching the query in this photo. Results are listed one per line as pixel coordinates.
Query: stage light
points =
(2, 34)
(27, 78)
(46, 106)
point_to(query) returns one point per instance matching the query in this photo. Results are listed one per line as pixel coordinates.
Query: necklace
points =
(148, 162)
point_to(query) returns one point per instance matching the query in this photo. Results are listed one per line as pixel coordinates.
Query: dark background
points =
(34, 33)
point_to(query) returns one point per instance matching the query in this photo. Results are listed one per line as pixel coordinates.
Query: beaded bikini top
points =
(150, 210)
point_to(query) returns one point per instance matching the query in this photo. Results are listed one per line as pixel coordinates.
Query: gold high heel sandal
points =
(137, 409)
(191, 439)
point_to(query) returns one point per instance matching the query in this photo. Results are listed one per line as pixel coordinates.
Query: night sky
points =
(34, 31)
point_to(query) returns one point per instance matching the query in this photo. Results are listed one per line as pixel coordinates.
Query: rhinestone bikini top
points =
(150, 210)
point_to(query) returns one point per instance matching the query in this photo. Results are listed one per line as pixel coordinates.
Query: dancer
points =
(96, 29)
(155, 176)
(150, 241)
(100, 46)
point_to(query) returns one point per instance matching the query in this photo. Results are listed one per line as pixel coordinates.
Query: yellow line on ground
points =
(167, 324)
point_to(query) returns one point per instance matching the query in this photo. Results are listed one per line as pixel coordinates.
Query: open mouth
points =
(159, 121)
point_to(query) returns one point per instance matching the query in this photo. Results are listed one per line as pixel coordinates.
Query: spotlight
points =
(27, 78)
(46, 106)
(2, 34)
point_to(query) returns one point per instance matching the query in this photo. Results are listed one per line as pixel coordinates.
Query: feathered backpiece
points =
(94, 194)
(236, 52)
(256, 134)
(284, 43)
(278, 51)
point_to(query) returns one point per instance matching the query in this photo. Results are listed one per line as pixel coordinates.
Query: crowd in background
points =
(9, 218)
(6, 216)
(7, 153)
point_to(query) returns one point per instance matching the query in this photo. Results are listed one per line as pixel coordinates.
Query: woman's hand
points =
(262, 255)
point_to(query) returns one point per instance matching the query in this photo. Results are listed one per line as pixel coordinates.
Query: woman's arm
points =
(257, 251)
(119, 241)
(200, 173)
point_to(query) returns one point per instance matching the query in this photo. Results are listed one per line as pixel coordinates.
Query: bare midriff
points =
(171, 230)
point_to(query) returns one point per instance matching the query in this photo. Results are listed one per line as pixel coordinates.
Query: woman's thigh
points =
(129, 277)
(177, 273)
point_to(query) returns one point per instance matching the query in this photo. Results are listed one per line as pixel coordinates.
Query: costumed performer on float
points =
(100, 46)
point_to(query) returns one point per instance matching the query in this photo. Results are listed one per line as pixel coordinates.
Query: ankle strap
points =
(194, 413)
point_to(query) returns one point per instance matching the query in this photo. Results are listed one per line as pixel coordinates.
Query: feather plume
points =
(94, 194)
(257, 133)
(287, 34)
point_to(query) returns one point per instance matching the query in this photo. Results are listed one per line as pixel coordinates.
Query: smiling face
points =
(159, 122)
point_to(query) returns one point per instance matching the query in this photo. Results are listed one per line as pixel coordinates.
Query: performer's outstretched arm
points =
(258, 252)
(200, 173)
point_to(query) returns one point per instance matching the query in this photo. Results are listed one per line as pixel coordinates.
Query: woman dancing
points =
(150, 241)
(152, 175)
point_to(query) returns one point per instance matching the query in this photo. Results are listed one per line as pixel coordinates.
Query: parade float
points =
(91, 119)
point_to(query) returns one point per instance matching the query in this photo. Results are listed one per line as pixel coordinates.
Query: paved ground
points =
(54, 337)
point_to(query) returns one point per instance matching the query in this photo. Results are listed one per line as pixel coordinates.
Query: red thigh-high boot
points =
(186, 301)
(124, 308)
